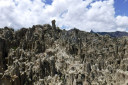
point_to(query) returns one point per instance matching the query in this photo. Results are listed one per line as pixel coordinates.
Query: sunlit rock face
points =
(47, 55)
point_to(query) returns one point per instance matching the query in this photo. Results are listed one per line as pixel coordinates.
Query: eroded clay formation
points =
(47, 55)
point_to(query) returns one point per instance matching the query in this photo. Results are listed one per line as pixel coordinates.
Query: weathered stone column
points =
(53, 24)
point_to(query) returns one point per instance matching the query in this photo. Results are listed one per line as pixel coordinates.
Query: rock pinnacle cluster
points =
(48, 55)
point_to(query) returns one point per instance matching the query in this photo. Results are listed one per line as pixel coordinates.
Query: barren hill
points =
(47, 55)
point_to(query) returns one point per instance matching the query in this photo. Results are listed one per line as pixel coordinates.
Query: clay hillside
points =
(48, 55)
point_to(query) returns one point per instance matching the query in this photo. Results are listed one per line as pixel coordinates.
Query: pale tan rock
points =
(46, 55)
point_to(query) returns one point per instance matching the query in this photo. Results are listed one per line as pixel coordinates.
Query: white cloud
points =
(85, 15)
(122, 22)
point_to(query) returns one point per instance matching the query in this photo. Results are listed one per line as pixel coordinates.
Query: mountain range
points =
(112, 34)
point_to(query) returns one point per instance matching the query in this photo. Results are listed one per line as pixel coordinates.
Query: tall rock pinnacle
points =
(53, 24)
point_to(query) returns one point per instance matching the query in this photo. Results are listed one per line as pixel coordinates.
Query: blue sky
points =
(121, 7)
(98, 15)
(48, 1)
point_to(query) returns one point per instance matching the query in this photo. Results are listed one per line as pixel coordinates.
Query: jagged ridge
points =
(47, 55)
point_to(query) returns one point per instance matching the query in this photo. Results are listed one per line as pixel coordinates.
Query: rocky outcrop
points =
(47, 55)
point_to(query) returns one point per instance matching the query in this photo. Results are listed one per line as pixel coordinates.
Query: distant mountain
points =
(112, 34)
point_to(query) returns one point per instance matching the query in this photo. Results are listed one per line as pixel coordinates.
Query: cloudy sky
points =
(99, 15)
